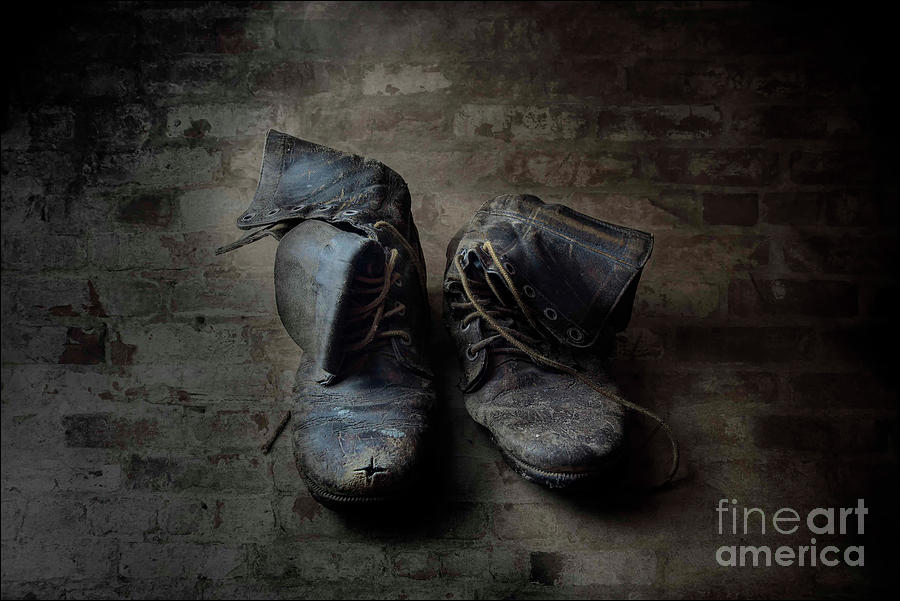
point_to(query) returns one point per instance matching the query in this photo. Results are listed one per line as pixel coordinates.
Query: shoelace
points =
(489, 316)
(368, 284)
(378, 287)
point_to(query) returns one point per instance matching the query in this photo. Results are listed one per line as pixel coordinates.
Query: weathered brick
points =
(298, 78)
(515, 521)
(39, 476)
(225, 518)
(52, 126)
(831, 167)
(681, 80)
(84, 346)
(679, 122)
(26, 252)
(749, 167)
(104, 430)
(568, 169)
(879, 301)
(818, 391)
(854, 208)
(518, 122)
(209, 78)
(242, 35)
(125, 517)
(160, 167)
(741, 344)
(863, 345)
(730, 209)
(45, 560)
(594, 568)
(748, 298)
(791, 122)
(403, 79)
(149, 250)
(218, 121)
(317, 561)
(683, 298)
(652, 211)
(791, 208)
(212, 208)
(146, 208)
(398, 124)
(180, 561)
(805, 433)
(570, 78)
(685, 387)
(707, 255)
(245, 296)
(246, 475)
(51, 300)
(841, 254)
(126, 126)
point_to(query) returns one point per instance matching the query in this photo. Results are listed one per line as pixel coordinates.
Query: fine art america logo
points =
(786, 521)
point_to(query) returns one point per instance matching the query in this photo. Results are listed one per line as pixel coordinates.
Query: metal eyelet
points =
(274, 211)
(469, 355)
(510, 268)
(528, 290)
(350, 212)
(465, 327)
(296, 209)
(402, 310)
(247, 217)
(399, 283)
(550, 313)
(575, 334)
(405, 340)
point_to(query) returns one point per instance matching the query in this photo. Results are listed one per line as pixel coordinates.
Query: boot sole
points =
(555, 479)
(334, 500)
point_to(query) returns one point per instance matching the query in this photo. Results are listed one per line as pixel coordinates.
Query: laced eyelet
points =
(247, 217)
(274, 211)
(465, 327)
(402, 310)
(528, 290)
(399, 283)
(550, 313)
(469, 355)
(575, 334)
(405, 340)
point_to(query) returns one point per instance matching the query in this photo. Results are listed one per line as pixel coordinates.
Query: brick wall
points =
(140, 372)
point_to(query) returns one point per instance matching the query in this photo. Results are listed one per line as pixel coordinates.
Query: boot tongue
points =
(315, 270)
(344, 257)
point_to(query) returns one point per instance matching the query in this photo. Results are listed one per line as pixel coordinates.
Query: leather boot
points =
(529, 289)
(350, 291)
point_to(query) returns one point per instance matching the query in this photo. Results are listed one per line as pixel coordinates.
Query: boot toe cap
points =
(356, 455)
(569, 435)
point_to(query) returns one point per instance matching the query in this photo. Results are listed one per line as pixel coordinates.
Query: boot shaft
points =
(331, 212)
(573, 276)
(577, 274)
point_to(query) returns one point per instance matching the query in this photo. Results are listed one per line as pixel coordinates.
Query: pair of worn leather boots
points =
(528, 289)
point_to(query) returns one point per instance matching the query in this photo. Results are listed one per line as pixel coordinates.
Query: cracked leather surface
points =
(577, 276)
